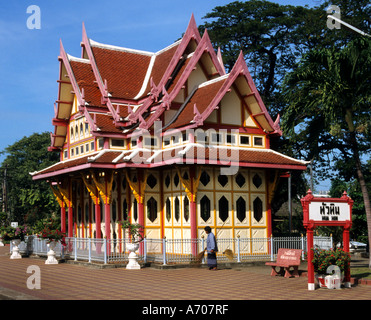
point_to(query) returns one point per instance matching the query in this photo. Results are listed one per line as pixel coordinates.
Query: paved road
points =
(75, 282)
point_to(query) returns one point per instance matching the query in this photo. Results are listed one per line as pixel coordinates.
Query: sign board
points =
(326, 212)
(329, 211)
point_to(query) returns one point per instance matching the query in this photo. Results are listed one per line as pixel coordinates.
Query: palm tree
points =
(328, 99)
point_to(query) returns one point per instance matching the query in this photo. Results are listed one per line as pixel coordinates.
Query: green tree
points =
(328, 100)
(271, 36)
(28, 200)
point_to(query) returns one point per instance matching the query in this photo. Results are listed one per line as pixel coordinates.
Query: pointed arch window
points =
(125, 209)
(223, 208)
(135, 209)
(176, 209)
(258, 209)
(168, 210)
(241, 209)
(152, 209)
(186, 208)
(205, 208)
(87, 213)
(114, 210)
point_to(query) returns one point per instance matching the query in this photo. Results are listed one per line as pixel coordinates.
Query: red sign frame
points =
(310, 225)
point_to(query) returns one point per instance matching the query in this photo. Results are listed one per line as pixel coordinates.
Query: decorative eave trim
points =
(191, 33)
(204, 45)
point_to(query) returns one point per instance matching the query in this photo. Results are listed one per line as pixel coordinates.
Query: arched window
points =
(87, 213)
(186, 208)
(241, 209)
(176, 209)
(152, 209)
(135, 209)
(168, 210)
(258, 209)
(114, 211)
(125, 209)
(205, 208)
(79, 215)
(223, 208)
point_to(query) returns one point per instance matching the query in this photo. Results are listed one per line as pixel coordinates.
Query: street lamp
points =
(348, 25)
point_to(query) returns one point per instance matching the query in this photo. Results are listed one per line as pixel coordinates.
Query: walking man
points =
(211, 248)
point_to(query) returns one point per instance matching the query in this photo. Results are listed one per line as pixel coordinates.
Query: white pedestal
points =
(133, 258)
(15, 250)
(51, 254)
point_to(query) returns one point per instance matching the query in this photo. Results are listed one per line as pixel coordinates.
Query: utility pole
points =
(5, 195)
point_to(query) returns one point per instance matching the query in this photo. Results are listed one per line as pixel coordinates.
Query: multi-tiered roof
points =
(116, 94)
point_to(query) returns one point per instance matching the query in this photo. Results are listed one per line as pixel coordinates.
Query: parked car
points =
(357, 246)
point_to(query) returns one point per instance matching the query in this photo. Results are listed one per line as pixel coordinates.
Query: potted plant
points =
(133, 230)
(322, 259)
(135, 233)
(52, 235)
(15, 235)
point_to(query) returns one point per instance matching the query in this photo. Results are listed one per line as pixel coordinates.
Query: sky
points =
(29, 66)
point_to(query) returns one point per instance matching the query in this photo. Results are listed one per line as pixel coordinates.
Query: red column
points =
(70, 221)
(346, 249)
(310, 258)
(140, 207)
(107, 219)
(98, 233)
(63, 219)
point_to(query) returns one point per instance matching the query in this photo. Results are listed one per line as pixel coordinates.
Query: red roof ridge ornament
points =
(143, 123)
(166, 101)
(220, 59)
(154, 93)
(198, 120)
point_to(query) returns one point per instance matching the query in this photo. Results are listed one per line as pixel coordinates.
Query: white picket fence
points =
(169, 251)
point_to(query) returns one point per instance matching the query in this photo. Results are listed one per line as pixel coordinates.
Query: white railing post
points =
(272, 248)
(145, 249)
(164, 250)
(105, 249)
(75, 245)
(89, 239)
(302, 247)
(238, 249)
(203, 248)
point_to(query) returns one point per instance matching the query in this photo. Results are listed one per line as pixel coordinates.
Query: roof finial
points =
(220, 59)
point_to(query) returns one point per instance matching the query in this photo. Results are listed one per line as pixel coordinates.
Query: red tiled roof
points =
(84, 76)
(194, 155)
(124, 71)
(160, 65)
(105, 123)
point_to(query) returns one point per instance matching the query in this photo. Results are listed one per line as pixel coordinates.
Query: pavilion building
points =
(168, 139)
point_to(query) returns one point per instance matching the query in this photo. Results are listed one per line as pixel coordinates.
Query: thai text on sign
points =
(329, 211)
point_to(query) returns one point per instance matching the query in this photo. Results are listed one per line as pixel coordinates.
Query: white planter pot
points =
(133, 258)
(15, 250)
(51, 253)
